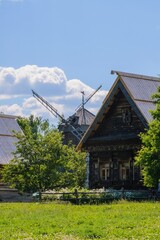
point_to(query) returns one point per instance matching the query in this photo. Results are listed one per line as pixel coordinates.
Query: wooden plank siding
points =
(116, 135)
(113, 123)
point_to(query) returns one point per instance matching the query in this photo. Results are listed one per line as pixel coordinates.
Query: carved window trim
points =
(124, 171)
(105, 171)
(126, 116)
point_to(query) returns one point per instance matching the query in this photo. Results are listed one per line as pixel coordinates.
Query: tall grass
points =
(122, 220)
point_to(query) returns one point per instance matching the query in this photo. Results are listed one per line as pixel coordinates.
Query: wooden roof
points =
(8, 124)
(84, 117)
(137, 90)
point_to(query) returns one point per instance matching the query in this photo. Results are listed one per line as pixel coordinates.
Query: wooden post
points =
(122, 193)
(40, 195)
(76, 194)
(87, 169)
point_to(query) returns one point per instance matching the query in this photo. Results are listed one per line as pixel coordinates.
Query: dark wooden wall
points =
(114, 121)
(115, 144)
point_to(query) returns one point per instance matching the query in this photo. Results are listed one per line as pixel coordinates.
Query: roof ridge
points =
(84, 110)
(125, 74)
(7, 135)
(2, 115)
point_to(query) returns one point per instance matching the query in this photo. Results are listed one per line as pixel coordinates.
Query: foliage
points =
(97, 196)
(33, 125)
(41, 161)
(120, 220)
(149, 155)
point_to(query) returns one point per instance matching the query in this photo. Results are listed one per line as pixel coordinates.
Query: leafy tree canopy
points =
(149, 155)
(41, 161)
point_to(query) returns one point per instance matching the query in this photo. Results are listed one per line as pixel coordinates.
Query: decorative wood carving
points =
(126, 116)
(113, 148)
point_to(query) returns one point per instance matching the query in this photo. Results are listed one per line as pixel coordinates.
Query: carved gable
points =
(119, 119)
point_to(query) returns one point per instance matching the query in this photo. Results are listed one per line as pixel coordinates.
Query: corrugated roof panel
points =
(7, 141)
(12, 124)
(3, 128)
(7, 147)
(85, 118)
(141, 88)
(7, 125)
(145, 107)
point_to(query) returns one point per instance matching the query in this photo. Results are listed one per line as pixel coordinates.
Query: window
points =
(104, 171)
(124, 171)
(126, 116)
(96, 169)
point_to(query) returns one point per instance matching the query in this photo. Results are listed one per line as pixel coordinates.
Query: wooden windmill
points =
(75, 126)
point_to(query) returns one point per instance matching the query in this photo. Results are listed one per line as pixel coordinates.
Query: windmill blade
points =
(90, 96)
(76, 132)
(47, 105)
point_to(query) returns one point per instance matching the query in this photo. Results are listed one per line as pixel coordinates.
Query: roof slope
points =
(84, 116)
(138, 89)
(141, 90)
(8, 124)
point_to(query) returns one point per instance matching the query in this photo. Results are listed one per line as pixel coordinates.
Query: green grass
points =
(122, 220)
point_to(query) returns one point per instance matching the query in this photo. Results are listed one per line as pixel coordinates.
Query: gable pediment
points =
(120, 119)
(125, 110)
(118, 113)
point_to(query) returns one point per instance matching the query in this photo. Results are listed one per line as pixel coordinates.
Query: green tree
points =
(149, 155)
(41, 161)
(33, 124)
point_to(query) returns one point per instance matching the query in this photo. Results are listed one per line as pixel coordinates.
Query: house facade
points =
(112, 141)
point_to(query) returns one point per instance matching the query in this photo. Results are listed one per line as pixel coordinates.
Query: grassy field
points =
(122, 220)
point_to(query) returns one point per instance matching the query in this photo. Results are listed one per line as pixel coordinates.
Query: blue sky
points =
(61, 47)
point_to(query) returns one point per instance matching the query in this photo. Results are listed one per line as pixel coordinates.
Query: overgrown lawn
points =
(122, 220)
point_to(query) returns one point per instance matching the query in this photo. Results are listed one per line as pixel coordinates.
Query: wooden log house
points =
(112, 141)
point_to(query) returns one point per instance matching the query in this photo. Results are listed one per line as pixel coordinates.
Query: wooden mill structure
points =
(74, 127)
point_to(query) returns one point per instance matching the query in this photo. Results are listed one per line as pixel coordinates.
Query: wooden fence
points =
(97, 197)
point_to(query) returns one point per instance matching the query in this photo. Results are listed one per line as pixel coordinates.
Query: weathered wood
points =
(93, 197)
(102, 148)
(114, 142)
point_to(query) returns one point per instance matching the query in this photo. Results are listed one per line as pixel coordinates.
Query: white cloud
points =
(98, 96)
(76, 86)
(4, 96)
(13, 109)
(35, 74)
(21, 80)
(30, 103)
(51, 83)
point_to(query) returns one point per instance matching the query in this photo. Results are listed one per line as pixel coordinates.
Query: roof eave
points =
(90, 128)
(8, 116)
